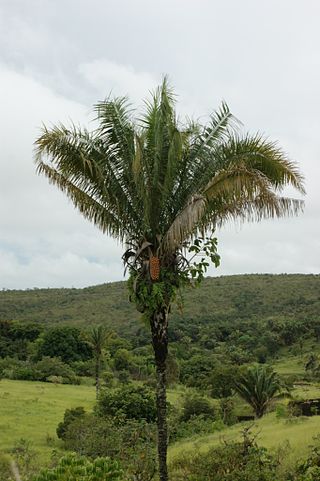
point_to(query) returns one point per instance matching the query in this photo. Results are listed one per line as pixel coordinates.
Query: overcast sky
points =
(58, 58)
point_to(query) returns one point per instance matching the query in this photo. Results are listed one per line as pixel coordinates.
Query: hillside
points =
(219, 299)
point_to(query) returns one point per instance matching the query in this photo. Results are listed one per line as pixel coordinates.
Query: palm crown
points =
(162, 182)
(259, 386)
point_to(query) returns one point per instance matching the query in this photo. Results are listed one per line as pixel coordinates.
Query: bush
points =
(65, 342)
(195, 426)
(83, 368)
(197, 406)
(26, 458)
(52, 366)
(309, 469)
(70, 415)
(132, 442)
(124, 377)
(42, 370)
(55, 379)
(78, 468)
(128, 401)
(221, 381)
(243, 461)
(108, 378)
(227, 413)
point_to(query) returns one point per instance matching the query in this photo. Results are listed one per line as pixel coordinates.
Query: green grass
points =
(291, 365)
(270, 432)
(32, 410)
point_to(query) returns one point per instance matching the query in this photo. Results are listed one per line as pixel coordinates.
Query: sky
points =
(57, 59)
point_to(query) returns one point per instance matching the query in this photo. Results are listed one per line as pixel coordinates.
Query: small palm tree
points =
(258, 386)
(97, 338)
(161, 187)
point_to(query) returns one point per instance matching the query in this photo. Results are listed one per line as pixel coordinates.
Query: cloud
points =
(262, 59)
(43, 240)
(118, 80)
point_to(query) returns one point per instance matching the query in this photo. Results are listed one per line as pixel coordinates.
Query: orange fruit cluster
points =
(154, 267)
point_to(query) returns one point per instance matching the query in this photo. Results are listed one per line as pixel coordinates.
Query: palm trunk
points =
(159, 331)
(97, 376)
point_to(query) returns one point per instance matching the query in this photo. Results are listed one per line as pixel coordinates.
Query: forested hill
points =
(241, 298)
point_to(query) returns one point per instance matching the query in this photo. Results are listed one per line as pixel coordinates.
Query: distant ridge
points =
(251, 296)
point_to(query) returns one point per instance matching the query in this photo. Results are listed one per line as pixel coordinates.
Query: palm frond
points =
(88, 164)
(261, 155)
(184, 224)
(87, 205)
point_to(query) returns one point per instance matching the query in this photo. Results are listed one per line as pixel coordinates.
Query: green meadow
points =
(32, 411)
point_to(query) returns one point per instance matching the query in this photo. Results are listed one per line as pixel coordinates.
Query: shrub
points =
(26, 458)
(108, 378)
(65, 342)
(221, 381)
(128, 401)
(243, 461)
(52, 366)
(78, 468)
(196, 425)
(55, 379)
(227, 413)
(83, 368)
(124, 377)
(39, 371)
(309, 469)
(132, 442)
(197, 406)
(70, 415)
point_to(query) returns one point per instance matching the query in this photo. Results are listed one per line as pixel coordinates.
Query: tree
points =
(65, 342)
(97, 339)
(162, 188)
(131, 402)
(258, 387)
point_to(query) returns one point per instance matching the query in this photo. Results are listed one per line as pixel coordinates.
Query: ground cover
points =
(295, 434)
(32, 411)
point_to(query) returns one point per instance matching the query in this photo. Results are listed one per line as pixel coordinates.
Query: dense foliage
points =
(258, 386)
(247, 300)
(232, 322)
(131, 402)
(236, 461)
(79, 468)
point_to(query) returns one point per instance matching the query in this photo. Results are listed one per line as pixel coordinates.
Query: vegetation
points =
(97, 339)
(32, 410)
(235, 461)
(131, 402)
(258, 386)
(159, 186)
(79, 468)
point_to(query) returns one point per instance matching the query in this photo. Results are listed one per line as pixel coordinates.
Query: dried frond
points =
(185, 224)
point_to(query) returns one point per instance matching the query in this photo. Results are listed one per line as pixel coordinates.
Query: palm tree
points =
(97, 338)
(162, 188)
(258, 387)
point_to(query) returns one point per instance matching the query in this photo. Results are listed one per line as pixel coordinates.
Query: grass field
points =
(271, 433)
(32, 410)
